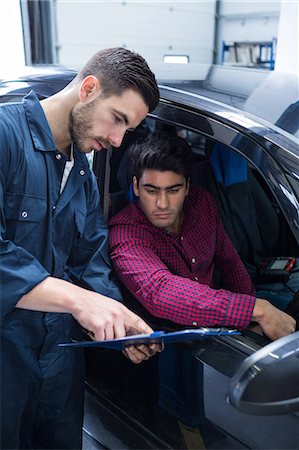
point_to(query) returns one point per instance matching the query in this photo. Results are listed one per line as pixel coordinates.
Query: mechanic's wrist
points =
(74, 299)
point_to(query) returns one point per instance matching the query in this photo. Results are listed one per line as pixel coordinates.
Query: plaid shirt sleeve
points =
(169, 296)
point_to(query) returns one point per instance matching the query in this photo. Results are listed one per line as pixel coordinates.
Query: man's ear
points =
(89, 87)
(135, 186)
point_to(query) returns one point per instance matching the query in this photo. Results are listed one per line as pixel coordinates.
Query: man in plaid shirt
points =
(166, 246)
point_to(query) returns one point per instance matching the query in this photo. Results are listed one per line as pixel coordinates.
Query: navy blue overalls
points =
(44, 233)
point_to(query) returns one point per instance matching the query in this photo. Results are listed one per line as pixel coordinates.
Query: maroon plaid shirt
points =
(171, 274)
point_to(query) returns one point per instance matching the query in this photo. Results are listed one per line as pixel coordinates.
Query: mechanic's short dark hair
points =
(119, 69)
(160, 151)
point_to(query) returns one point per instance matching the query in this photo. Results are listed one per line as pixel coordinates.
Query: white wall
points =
(287, 54)
(243, 20)
(11, 37)
(153, 29)
(246, 7)
(284, 86)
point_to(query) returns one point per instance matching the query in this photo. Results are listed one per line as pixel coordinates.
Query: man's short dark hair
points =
(160, 151)
(119, 69)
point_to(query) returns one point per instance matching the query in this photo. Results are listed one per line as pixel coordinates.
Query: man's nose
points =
(116, 138)
(162, 200)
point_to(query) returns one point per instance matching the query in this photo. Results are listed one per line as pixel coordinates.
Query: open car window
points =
(249, 209)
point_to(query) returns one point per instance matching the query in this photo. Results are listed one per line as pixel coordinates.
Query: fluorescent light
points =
(176, 59)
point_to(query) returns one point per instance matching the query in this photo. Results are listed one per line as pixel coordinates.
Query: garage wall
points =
(154, 29)
(247, 21)
(287, 57)
(11, 38)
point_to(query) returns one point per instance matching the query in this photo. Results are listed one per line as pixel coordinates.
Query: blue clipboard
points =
(158, 337)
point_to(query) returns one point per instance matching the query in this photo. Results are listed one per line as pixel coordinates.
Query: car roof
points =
(219, 94)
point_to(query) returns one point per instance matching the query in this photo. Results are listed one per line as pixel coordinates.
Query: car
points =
(208, 391)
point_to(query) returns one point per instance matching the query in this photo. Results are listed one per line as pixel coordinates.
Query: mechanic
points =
(55, 272)
(166, 246)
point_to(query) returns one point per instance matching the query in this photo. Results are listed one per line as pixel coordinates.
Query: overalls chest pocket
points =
(25, 216)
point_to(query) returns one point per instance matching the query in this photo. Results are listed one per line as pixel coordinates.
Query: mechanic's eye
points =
(117, 119)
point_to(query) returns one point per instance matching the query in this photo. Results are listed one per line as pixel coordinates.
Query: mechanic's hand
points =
(274, 322)
(102, 317)
(105, 319)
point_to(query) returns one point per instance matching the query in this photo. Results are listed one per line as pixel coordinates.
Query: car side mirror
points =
(267, 383)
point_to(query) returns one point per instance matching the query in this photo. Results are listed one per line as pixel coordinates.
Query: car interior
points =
(248, 209)
(165, 394)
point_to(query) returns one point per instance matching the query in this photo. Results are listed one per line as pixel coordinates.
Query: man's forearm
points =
(53, 295)
(103, 317)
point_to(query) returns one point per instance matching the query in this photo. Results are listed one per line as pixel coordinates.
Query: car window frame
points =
(258, 151)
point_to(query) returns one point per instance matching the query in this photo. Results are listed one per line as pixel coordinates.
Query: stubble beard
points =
(79, 125)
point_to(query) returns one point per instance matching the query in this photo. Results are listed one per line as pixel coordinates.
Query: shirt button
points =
(24, 214)
(58, 156)
(195, 324)
(82, 172)
(193, 260)
(182, 238)
(195, 278)
(54, 207)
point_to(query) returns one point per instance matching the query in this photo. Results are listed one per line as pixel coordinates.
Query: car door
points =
(277, 166)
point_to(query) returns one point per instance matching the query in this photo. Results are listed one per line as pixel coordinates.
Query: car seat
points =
(249, 217)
